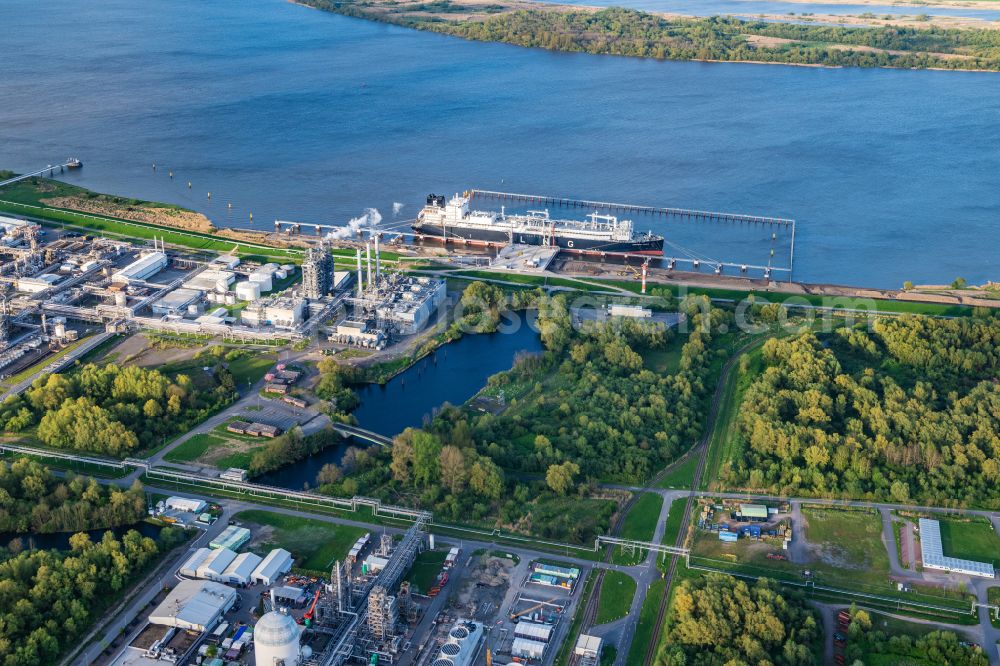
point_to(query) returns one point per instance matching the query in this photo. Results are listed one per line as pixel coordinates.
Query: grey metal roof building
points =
(195, 605)
(933, 555)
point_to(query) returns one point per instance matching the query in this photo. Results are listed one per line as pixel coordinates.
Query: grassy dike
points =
(24, 199)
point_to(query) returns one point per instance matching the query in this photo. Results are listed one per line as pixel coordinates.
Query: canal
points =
(60, 540)
(452, 374)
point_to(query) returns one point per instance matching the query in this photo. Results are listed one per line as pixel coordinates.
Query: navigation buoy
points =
(209, 195)
(230, 204)
(251, 217)
(189, 184)
(171, 174)
(154, 166)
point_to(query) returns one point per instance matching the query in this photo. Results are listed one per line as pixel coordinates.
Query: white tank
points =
(121, 300)
(276, 640)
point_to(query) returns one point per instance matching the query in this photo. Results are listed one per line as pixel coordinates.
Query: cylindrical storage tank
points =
(60, 329)
(288, 268)
(276, 640)
(230, 298)
(222, 284)
(263, 279)
(121, 300)
(248, 291)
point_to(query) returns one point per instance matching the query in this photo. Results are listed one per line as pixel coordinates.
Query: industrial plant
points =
(60, 288)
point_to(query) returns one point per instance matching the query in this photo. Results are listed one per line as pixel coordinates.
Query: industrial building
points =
(524, 648)
(184, 504)
(241, 569)
(176, 301)
(318, 272)
(215, 564)
(234, 474)
(194, 605)
(232, 538)
(190, 566)
(932, 553)
(142, 268)
(279, 312)
(211, 280)
(358, 333)
(34, 285)
(535, 631)
(412, 302)
(277, 563)
(462, 646)
(752, 512)
(587, 650)
(633, 311)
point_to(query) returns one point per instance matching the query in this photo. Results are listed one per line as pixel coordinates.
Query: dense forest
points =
(629, 32)
(32, 499)
(115, 410)
(866, 644)
(906, 410)
(585, 410)
(49, 598)
(717, 619)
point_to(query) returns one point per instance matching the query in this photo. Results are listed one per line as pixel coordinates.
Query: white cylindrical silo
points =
(276, 640)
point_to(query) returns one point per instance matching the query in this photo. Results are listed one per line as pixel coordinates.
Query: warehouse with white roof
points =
(277, 563)
(932, 551)
(216, 563)
(241, 568)
(194, 604)
(190, 567)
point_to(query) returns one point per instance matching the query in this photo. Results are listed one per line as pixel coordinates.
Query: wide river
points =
(290, 113)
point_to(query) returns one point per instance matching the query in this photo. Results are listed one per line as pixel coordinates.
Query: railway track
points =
(700, 449)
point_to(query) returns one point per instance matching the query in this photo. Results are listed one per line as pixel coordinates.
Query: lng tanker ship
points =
(452, 221)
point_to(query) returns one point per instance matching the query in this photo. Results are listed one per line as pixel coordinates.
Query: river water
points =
(452, 374)
(60, 540)
(294, 114)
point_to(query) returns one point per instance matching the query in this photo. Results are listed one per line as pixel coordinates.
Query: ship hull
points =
(495, 238)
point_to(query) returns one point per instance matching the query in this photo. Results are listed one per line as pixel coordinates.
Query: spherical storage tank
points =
(276, 640)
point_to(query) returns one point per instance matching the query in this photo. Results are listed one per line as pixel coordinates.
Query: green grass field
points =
(193, 448)
(249, 369)
(640, 525)
(616, 597)
(723, 445)
(850, 543)
(647, 622)
(315, 544)
(425, 569)
(972, 539)
(681, 476)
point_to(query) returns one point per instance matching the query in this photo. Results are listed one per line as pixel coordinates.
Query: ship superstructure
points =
(453, 221)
